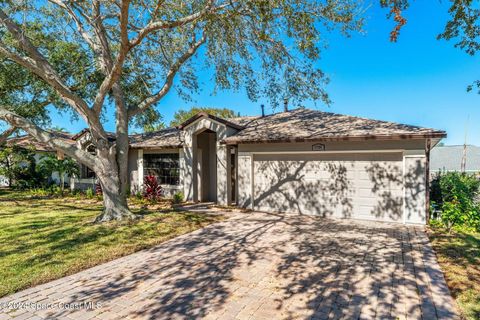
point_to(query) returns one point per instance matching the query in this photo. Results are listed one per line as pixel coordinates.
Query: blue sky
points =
(418, 80)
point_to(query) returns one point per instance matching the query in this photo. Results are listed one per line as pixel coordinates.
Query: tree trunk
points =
(121, 145)
(114, 178)
(115, 204)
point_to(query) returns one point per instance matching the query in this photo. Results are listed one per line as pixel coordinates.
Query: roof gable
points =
(202, 115)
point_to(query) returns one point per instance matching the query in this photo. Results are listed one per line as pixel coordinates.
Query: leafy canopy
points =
(26, 94)
(182, 115)
(66, 166)
(464, 28)
(267, 48)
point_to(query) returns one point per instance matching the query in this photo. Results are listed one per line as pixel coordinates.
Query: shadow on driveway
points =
(263, 266)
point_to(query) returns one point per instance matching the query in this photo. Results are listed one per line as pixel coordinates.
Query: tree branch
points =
(7, 133)
(158, 25)
(149, 101)
(100, 46)
(39, 65)
(48, 138)
(81, 29)
(112, 70)
(36, 63)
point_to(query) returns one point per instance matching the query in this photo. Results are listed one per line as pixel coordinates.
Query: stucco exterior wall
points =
(245, 161)
(133, 170)
(418, 145)
(415, 189)
(190, 159)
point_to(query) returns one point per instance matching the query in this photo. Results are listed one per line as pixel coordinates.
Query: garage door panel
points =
(338, 185)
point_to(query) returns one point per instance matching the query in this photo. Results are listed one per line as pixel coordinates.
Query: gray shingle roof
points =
(295, 125)
(26, 141)
(166, 138)
(170, 137)
(305, 125)
(450, 158)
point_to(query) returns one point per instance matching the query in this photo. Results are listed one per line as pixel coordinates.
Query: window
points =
(87, 173)
(165, 166)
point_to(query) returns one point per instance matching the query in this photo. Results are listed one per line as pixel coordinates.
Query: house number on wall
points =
(318, 147)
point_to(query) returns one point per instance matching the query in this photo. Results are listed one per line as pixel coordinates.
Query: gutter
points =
(433, 135)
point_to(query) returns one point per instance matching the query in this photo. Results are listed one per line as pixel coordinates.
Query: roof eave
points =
(207, 115)
(438, 134)
(173, 146)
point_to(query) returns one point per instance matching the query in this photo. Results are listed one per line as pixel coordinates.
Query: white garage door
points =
(361, 186)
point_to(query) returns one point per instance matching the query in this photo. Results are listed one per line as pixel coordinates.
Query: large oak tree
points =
(127, 55)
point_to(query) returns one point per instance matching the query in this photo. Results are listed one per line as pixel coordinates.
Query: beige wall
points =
(418, 144)
(245, 180)
(207, 176)
(190, 158)
(415, 189)
(133, 170)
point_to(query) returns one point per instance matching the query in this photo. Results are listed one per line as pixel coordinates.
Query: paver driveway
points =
(259, 266)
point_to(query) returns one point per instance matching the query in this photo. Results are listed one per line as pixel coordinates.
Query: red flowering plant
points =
(152, 191)
(98, 189)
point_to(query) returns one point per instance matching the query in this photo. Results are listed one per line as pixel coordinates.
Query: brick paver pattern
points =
(257, 266)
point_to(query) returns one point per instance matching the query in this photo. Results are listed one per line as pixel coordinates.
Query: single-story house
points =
(450, 158)
(300, 161)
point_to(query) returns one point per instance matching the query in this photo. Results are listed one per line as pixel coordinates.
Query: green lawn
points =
(459, 256)
(43, 238)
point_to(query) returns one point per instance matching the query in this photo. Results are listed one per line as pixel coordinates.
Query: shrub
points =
(39, 192)
(89, 193)
(18, 165)
(151, 189)
(455, 196)
(98, 190)
(451, 214)
(178, 197)
(55, 190)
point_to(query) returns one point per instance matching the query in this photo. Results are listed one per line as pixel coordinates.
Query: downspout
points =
(428, 146)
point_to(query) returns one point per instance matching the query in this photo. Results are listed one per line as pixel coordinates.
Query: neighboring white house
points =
(85, 180)
(299, 161)
(449, 158)
(40, 149)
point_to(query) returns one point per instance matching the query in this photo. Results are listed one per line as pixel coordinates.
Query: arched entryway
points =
(205, 169)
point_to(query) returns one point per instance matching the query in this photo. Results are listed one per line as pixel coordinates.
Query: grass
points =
(44, 238)
(459, 256)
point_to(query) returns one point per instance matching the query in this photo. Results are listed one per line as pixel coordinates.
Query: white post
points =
(140, 169)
